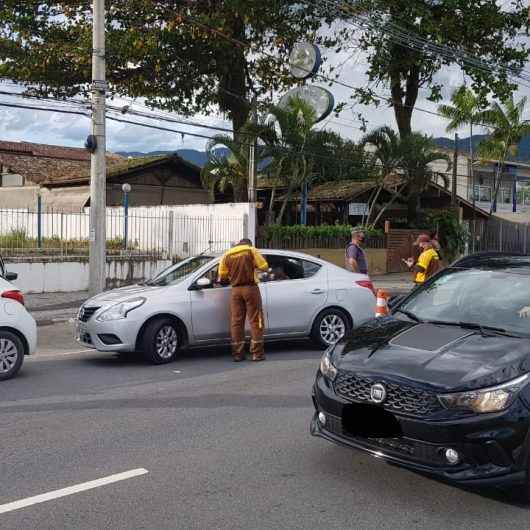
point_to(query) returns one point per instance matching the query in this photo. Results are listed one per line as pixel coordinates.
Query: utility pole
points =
(252, 174)
(455, 173)
(473, 186)
(98, 171)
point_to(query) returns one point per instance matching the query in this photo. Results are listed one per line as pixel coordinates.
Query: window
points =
(177, 273)
(287, 268)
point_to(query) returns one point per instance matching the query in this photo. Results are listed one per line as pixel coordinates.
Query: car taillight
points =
(367, 284)
(14, 295)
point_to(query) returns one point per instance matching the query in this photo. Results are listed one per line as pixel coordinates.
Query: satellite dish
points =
(305, 60)
(320, 99)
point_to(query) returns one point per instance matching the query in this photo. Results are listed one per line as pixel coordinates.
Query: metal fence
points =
(161, 234)
(301, 243)
(499, 235)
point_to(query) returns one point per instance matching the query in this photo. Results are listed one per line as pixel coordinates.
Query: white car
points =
(183, 306)
(18, 329)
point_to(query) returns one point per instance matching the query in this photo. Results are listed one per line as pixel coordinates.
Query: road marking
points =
(45, 497)
(177, 372)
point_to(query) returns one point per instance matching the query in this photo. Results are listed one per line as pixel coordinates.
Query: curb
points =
(53, 321)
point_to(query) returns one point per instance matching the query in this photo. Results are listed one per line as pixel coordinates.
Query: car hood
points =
(446, 358)
(123, 293)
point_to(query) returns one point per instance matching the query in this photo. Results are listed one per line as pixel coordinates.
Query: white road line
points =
(45, 497)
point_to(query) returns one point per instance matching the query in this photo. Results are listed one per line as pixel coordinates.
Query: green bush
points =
(280, 232)
(453, 235)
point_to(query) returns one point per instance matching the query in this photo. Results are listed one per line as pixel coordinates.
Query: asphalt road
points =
(217, 445)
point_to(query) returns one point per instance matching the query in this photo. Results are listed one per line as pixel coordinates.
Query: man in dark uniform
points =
(239, 265)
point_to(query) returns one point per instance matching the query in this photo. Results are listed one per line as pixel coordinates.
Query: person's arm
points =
(259, 261)
(352, 261)
(223, 271)
(423, 262)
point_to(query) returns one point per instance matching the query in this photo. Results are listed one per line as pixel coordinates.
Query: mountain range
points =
(199, 158)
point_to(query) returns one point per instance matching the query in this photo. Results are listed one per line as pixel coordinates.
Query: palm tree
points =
(465, 110)
(419, 151)
(388, 154)
(509, 128)
(285, 136)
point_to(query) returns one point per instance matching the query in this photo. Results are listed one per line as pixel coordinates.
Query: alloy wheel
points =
(332, 329)
(166, 342)
(8, 355)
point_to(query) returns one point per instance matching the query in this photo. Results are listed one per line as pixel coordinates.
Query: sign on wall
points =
(358, 208)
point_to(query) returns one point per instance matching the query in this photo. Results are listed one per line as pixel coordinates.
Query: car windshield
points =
(494, 298)
(179, 272)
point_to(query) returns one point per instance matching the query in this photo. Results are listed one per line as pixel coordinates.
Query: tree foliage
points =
(186, 57)
(482, 30)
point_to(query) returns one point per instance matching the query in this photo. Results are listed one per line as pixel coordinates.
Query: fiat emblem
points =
(378, 393)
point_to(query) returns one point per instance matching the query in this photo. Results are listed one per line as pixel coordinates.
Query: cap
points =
(423, 238)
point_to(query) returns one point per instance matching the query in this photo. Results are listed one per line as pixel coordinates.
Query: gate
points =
(400, 246)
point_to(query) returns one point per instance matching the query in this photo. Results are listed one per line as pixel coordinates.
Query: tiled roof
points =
(40, 163)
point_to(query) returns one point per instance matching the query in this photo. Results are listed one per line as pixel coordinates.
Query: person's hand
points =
(524, 312)
(409, 262)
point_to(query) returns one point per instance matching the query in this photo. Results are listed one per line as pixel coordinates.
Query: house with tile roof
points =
(61, 175)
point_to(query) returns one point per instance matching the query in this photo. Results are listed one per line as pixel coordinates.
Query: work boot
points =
(257, 350)
(238, 358)
(238, 351)
(258, 358)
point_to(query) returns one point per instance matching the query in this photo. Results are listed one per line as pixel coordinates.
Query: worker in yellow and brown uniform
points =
(239, 265)
(428, 261)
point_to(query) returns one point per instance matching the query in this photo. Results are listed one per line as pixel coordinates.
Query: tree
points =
(186, 57)
(419, 151)
(465, 110)
(388, 155)
(285, 136)
(509, 128)
(224, 171)
(396, 38)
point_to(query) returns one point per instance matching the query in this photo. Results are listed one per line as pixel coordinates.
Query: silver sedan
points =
(184, 307)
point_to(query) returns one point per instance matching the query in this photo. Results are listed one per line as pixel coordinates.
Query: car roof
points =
(278, 252)
(497, 260)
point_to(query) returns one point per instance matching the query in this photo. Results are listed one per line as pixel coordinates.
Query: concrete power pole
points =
(454, 200)
(98, 171)
(252, 176)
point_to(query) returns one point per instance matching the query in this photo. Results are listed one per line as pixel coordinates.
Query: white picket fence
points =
(164, 230)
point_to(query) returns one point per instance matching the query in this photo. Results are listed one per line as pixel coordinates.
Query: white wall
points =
(69, 276)
(174, 230)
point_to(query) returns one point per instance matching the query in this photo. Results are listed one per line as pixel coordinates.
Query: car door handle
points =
(317, 291)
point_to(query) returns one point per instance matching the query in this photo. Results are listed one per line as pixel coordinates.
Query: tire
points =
(329, 327)
(11, 355)
(161, 341)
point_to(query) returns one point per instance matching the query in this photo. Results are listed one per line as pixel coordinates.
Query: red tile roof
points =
(40, 163)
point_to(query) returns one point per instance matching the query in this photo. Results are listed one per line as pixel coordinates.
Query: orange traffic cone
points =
(381, 307)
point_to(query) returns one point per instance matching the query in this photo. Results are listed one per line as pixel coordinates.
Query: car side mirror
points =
(395, 300)
(203, 283)
(11, 276)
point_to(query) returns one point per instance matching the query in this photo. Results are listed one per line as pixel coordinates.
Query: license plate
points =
(80, 330)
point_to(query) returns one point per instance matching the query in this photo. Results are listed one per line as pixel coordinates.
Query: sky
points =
(67, 130)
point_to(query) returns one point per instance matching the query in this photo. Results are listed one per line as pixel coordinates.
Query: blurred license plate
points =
(80, 330)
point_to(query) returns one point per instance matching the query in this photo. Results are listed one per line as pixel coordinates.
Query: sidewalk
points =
(53, 308)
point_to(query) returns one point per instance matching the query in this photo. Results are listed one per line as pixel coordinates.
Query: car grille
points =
(86, 313)
(402, 399)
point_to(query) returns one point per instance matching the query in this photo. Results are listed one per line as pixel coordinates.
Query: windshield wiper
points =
(476, 327)
(412, 316)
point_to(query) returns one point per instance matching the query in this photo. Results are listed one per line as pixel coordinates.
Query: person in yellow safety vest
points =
(239, 266)
(428, 261)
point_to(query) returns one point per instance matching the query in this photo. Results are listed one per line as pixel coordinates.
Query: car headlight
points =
(121, 310)
(491, 399)
(326, 366)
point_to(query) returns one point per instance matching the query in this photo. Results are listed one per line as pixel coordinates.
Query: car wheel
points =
(329, 327)
(11, 355)
(161, 341)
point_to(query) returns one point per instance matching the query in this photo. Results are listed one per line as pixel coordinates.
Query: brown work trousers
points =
(246, 303)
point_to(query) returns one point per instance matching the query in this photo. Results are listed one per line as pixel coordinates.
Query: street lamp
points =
(126, 188)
